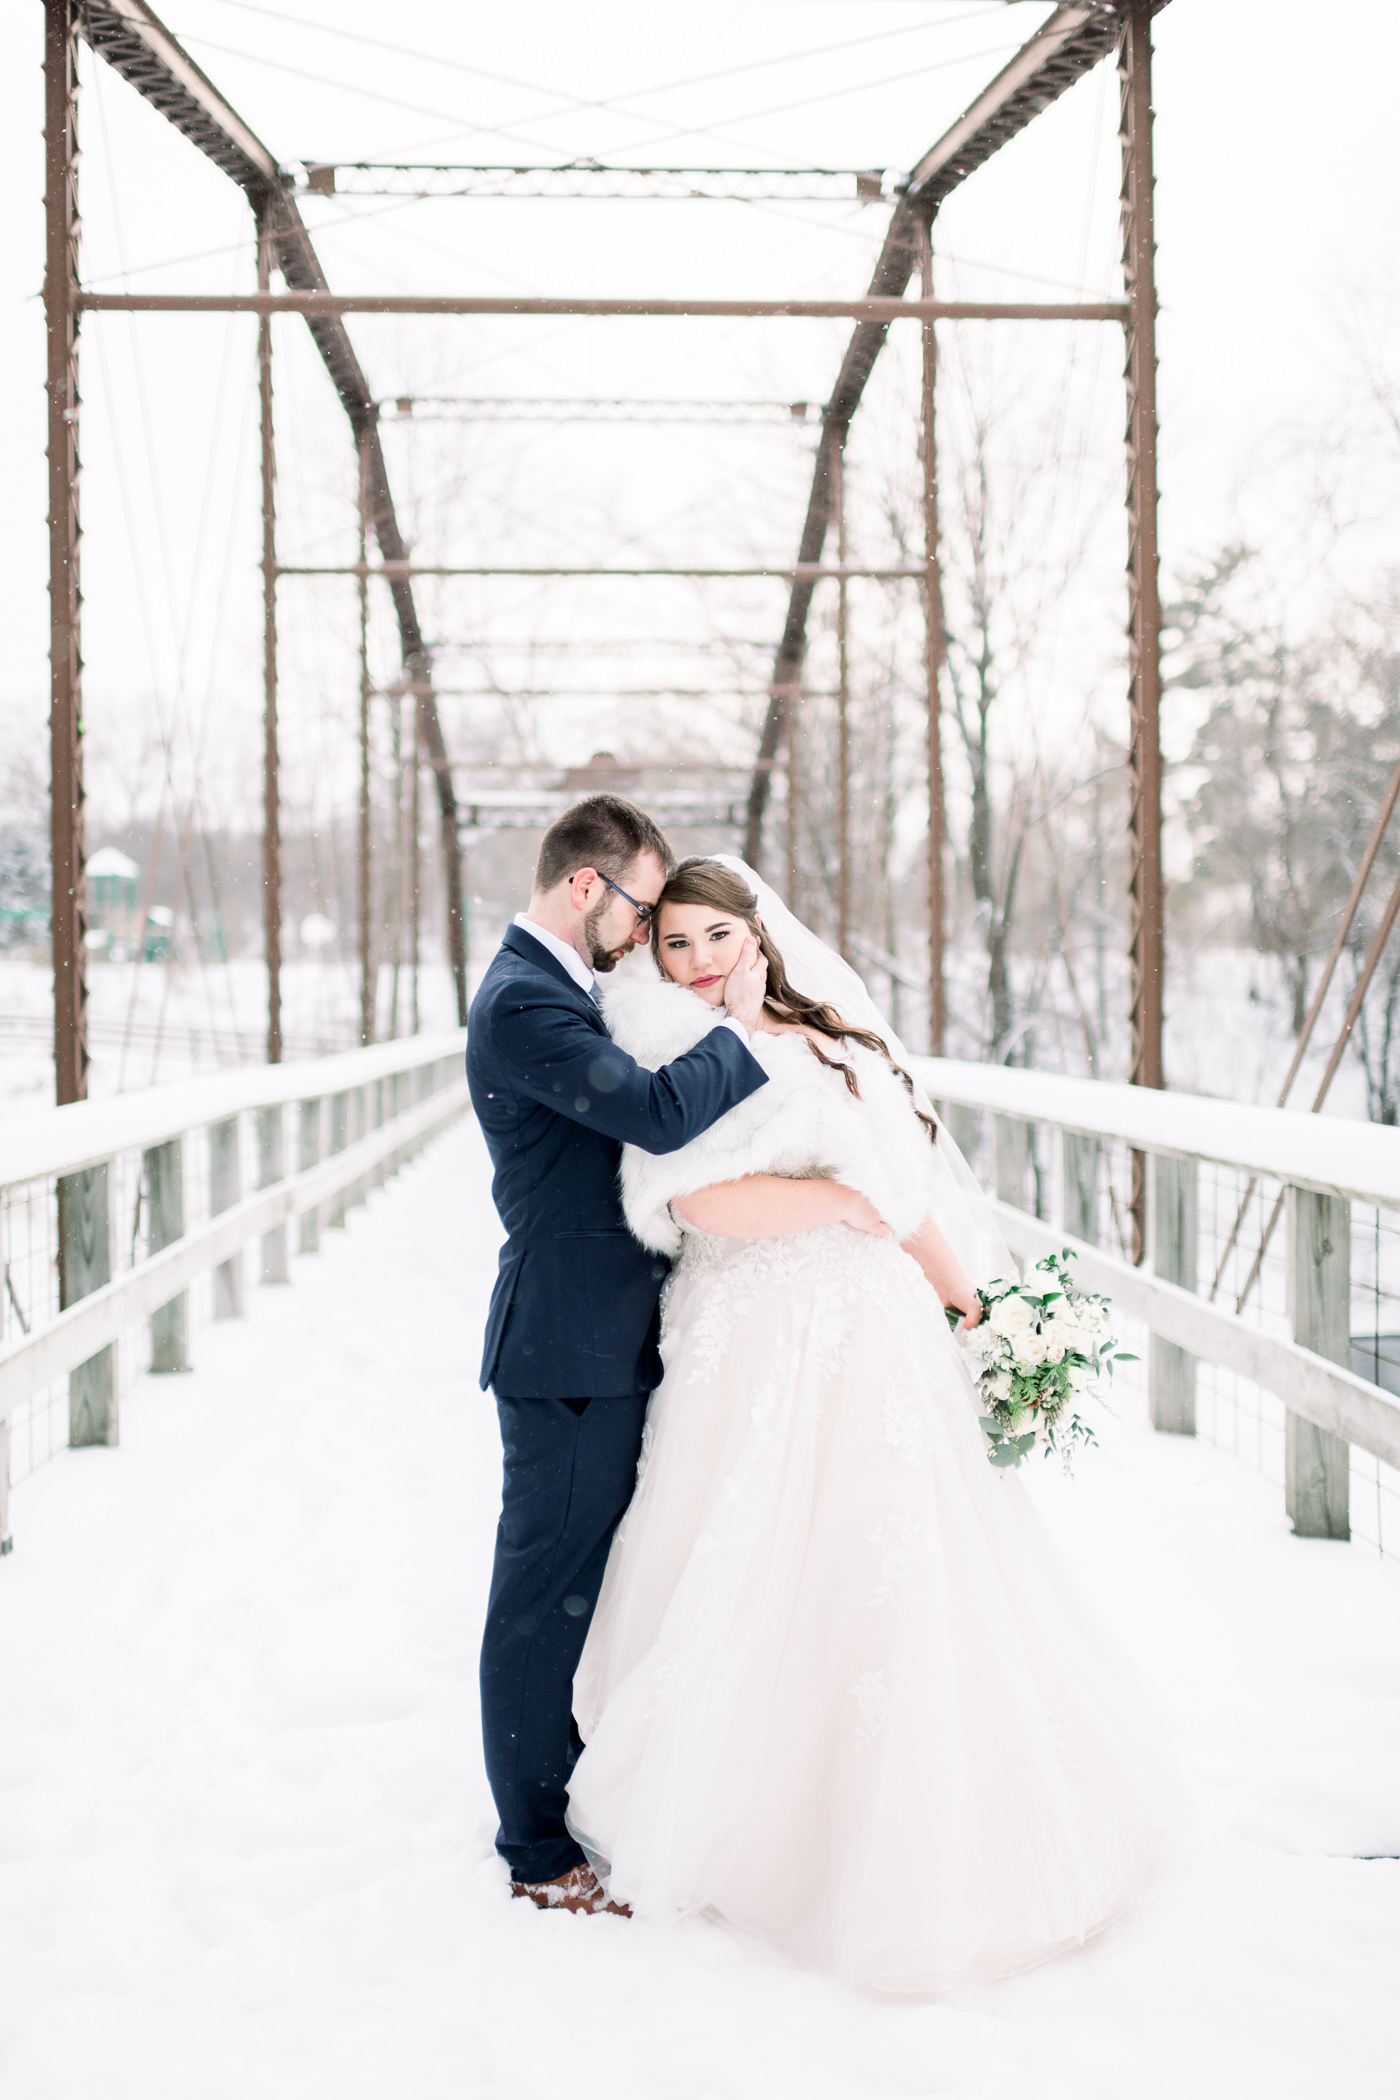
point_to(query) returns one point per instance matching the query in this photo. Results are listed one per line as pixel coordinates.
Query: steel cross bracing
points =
(138, 46)
(614, 645)
(392, 570)
(590, 179)
(1070, 44)
(501, 408)
(316, 302)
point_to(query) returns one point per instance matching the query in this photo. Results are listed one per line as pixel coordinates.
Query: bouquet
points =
(1039, 1350)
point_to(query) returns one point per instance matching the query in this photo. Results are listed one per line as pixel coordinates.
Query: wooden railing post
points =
(271, 1129)
(85, 1263)
(164, 1170)
(1010, 1158)
(1171, 1371)
(1079, 1186)
(1317, 1465)
(225, 1189)
(309, 1155)
(376, 1095)
(340, 1113)
(357, 1123)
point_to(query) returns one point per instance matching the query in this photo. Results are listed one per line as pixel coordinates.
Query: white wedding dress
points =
(840, 1689)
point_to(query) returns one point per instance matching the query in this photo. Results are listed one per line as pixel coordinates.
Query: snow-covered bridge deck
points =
(245, 1837)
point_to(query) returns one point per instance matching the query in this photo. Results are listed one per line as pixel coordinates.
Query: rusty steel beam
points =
(843, 729)
(136, 44)
(69, 917)
(935, 650)
(364, 867)
(842, 571)
(1147, 946)
(314, 304)
(1069, 45)
(272, 787)
(588, 179)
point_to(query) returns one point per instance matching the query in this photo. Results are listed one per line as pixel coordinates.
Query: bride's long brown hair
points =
(701, 881)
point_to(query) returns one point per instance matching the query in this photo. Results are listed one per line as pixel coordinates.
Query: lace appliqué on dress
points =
(665, 1683)
(903, 1544)
(763, 1415)
(831, 1270)
(872, 1698)
(911, 1426)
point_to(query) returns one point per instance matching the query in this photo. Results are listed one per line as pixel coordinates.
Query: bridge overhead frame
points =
(1075, 39)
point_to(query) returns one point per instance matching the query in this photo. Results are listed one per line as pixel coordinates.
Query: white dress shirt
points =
(561, 951)
(583, 977)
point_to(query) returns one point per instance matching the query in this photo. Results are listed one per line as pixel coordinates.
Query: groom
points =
(571, 1335)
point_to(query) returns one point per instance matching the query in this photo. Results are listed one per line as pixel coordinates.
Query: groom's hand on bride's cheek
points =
(748, 981)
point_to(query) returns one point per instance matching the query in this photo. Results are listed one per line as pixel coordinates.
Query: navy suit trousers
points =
(570, 1468)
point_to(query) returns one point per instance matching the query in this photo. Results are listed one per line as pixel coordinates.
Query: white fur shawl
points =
(805, 1122)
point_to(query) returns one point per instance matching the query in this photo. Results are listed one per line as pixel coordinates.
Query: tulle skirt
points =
(841, 1689)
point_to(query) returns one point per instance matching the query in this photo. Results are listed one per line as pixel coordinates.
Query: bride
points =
(840, 1689)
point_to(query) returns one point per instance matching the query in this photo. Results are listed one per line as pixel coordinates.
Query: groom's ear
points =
(580, 882)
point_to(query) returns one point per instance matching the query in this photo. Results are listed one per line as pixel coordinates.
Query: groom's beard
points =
(603, 959)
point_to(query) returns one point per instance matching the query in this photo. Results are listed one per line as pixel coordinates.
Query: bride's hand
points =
(859, 1211)
(971, 1318)
(748, 981)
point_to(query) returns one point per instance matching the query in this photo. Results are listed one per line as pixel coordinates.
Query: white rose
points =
(1012, 1317)
(1081, 1380)
(1069, 1328)
(1034, 1349)
(999, 1385)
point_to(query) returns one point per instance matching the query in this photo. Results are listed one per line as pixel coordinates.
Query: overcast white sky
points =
(1278, 209)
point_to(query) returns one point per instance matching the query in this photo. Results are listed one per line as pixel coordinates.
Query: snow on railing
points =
(114, 1215)
(1282, 1345)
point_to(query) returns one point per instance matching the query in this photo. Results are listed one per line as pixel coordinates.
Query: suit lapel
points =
(533, 952)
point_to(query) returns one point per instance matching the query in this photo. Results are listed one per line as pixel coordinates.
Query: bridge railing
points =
(1269, 1296)
(125, 1222)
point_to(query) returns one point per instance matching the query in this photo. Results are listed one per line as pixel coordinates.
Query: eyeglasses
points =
(645, 912)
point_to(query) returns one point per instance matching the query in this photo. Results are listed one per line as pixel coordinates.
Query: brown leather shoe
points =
(579, 1889)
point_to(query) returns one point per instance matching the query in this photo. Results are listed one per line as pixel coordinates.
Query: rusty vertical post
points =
(935, 649)
(367, 984)
(272, 788)
(843, 728)
(62, 225)
(415, 868)
(1144, 605)
(394, 898)
(790, 697)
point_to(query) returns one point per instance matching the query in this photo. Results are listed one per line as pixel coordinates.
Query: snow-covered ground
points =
(245, 1838)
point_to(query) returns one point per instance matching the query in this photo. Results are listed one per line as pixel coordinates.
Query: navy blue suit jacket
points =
(573, 1314)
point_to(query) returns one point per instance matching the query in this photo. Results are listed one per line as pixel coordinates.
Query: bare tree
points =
(1287, 763)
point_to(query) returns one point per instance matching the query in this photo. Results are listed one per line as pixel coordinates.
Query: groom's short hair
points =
(605, 832)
